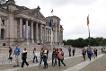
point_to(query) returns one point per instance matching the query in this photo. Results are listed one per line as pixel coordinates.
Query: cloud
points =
(58, 3)
(73, 14)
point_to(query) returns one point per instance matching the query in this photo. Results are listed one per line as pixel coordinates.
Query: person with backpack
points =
(61, 57)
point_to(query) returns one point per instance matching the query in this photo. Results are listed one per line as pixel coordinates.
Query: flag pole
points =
(51, 37)
(51, 30)
(89, 35)
(88, 29)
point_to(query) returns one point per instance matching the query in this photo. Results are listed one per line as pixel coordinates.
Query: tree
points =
(80, 42)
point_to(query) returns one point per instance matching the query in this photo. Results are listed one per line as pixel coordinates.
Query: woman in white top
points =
(35, 56)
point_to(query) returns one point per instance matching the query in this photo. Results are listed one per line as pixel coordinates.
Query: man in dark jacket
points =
(69, 50)
(10, 53)
(24, 57)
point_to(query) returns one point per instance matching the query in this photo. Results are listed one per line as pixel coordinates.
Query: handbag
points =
(60, 56)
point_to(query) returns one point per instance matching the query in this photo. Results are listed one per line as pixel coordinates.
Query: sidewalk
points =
(83, 64)
(97, 65)
(7, 65)
(69, 61)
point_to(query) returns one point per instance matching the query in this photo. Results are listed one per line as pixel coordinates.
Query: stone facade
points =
(57, 38)
(24, 26)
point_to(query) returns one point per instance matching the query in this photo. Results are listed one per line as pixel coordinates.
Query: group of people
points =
(90, 52)
(57, 55)
(70, 49)
(43, 56)
(16, 53)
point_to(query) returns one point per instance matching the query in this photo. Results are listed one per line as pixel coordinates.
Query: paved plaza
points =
(73, 63)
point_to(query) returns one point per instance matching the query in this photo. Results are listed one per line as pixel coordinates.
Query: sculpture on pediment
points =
(11, 1)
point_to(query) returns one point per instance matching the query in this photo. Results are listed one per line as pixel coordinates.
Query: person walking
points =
(61, 57)
(73, 51)
(16, 53)
(89, 52)
(45, 57)
(95, 52)
(69, 50)
(41, 56)
(10, 54)
(24, 57)
(35, 56)
(84, 53)
(54, 58)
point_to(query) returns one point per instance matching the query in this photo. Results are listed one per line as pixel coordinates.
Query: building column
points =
(0, 26)
(21, 24)
(59, 35)
(32, 38)
(50, 35)
(41, 33)
(44, 34)
(55, 37)
(26, 27)
(36, 32)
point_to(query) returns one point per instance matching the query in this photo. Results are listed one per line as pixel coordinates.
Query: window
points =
(3, 22)
(2, 33)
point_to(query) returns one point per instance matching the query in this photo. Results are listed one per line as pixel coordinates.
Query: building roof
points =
(53, 17)
(35, 13)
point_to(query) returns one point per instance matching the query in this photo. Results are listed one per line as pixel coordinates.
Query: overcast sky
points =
(73, 14)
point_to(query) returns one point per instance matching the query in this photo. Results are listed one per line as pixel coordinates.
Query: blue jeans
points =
(35, 57)
(54, 61)
(41, 59)
(45, 62)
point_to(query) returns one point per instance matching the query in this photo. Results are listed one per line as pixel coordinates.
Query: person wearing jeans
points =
(45, 57)
(41, 56)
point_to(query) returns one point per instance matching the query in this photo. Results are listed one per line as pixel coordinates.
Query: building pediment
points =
(15, 9)
(37, 14)
(4, 10)
(34, 13)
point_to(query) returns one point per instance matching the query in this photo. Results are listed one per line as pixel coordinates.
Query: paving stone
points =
(69, 62)
(97, 65)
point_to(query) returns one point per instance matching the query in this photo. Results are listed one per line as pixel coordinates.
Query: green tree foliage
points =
(80, 42)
